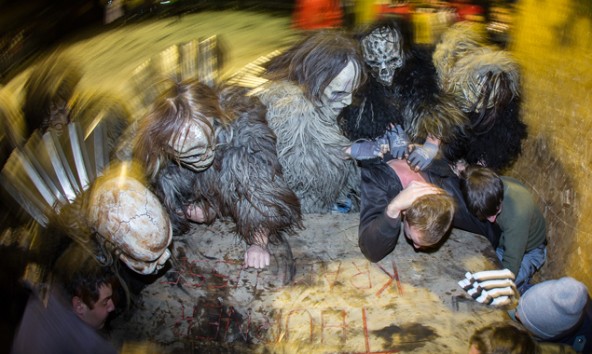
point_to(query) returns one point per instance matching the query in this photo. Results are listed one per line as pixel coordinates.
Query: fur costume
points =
(413, 99)
(309, 85)
(485, 82)
(309, 147)
(244, 182)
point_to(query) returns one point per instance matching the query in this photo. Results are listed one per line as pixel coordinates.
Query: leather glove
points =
(367, 149)
(398, 142)
(422, 155)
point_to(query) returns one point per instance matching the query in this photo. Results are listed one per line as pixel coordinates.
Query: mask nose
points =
(385, 74)
(347, 100)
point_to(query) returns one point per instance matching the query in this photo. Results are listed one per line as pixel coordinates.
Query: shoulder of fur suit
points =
(285, 98)
(468, 75)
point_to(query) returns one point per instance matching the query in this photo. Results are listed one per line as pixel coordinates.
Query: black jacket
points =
(378, 233)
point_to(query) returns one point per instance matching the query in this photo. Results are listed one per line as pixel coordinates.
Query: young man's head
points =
(428, 219)
(88, 285)
(502, 337)
(483, 191)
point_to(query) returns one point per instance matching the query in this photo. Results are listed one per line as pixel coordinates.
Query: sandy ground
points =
(337, 302)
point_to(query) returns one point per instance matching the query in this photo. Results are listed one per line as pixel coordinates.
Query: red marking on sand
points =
(332, 283)
(393, 277)
(367, 272)
(388, 283)
(396, 274)
(343, 325)
(310, 323)
(367, 338)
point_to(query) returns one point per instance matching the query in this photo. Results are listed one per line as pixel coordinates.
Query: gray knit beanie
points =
(550, 308)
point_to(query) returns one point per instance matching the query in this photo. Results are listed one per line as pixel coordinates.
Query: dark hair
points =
(82, 275)
(432, 215)
(483, 191)
(316, 60)
(503, 338)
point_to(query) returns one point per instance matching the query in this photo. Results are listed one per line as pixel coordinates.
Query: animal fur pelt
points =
(456, 42)
(413, 100)
(245, 181)
(255, 193)
(485, 82)
(309, 147)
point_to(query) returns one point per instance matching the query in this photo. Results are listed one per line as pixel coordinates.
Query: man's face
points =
(97, 316)
(415, 236)
(338, 94)
(382, 53)
(493, 218)
(192, 146)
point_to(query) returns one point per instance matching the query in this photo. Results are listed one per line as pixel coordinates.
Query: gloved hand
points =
(367, 149)
(492, 287)
(422, 155)
(398, 142)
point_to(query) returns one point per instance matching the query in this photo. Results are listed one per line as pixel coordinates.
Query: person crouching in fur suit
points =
(485, 82)
(401, 97)
(211, 154)
(309, 85)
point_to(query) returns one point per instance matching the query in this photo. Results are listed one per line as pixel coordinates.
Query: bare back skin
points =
(405, 173)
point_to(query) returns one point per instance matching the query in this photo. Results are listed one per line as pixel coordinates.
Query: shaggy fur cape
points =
(310, 148)
(485, 82)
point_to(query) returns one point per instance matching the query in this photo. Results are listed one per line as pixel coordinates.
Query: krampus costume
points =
(485, 82)
(211, 154)
(309, 85)
(53, 173)
(402, 90)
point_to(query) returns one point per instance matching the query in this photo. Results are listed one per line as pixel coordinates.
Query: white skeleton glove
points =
(491, 287)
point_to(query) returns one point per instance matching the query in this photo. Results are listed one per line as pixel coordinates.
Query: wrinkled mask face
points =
(143, 267)
(382, 53)
(192, 146)
(128, 215)
(338, 94)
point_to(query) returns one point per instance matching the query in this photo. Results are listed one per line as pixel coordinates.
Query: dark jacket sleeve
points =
(378, 233)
